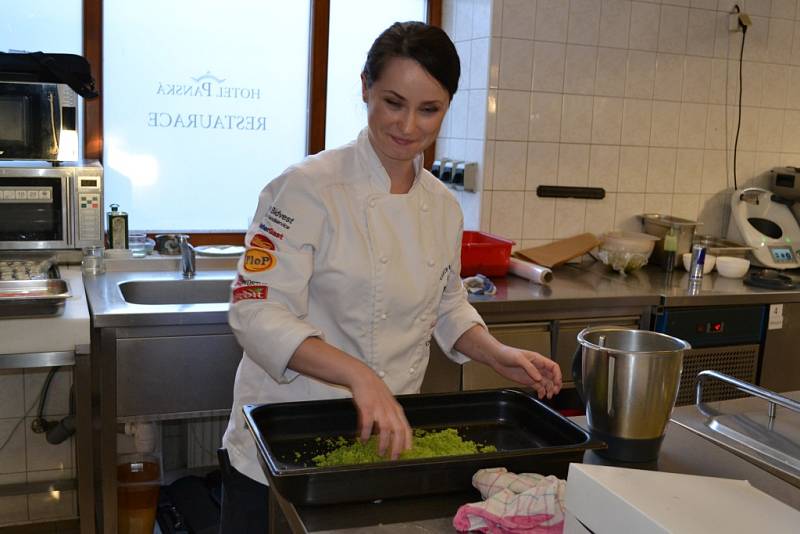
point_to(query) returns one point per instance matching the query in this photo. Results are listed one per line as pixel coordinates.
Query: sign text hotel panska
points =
(207, 86)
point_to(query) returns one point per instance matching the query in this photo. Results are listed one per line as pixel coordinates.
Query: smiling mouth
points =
(401, 141)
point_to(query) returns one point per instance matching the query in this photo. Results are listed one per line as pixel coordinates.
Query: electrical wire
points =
(21, 420)
(739, 118)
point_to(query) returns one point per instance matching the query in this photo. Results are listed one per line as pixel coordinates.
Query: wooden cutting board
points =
(561, 251)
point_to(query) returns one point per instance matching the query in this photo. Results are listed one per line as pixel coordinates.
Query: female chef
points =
(352, 264)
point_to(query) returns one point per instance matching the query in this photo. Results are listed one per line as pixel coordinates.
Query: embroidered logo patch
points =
(262, 241)
(257, 260)
(250, 293)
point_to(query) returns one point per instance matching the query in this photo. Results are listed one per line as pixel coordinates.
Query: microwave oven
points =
(38, 121)
(46, 207)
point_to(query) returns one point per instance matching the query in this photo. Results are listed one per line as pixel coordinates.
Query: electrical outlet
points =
(733, 22)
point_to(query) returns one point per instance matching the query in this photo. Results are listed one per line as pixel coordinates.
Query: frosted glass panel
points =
(41, 25)
(205, 102)
(354, 25)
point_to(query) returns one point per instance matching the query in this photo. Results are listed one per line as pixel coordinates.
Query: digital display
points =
(782, 254)
(716, 327)
(88, 183)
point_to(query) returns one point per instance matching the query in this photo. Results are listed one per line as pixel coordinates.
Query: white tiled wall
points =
(637, 97)
(27, 457)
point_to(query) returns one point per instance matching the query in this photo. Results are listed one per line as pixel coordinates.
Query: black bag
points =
(70, 69)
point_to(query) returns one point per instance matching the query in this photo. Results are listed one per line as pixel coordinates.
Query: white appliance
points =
(767, 226)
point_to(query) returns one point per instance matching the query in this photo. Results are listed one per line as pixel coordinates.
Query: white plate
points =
(223, 251)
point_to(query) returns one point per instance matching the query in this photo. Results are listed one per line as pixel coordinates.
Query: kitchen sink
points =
(191, 291)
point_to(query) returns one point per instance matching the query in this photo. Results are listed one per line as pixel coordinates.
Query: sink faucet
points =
(187, 256)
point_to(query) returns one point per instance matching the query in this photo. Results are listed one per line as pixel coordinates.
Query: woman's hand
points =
(528, 368)
(377, 407)
(522, 366)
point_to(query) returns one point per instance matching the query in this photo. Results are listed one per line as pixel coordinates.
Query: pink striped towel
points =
(525, 503)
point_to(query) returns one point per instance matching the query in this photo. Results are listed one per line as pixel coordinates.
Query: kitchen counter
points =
(682, 452)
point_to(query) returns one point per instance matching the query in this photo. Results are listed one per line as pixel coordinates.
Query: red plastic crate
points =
(484, 253)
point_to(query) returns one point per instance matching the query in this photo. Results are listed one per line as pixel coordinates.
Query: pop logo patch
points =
(250, 293)
(257, 260)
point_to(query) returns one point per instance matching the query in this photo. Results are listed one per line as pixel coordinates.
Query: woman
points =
(353, 264)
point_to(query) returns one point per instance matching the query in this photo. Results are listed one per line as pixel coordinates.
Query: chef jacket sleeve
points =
(269, 298)
(456, 314)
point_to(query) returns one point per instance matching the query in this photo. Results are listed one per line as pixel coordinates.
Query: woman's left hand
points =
(528, 368)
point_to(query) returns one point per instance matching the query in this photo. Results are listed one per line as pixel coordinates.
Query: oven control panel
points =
(717, 326)
(89, 199)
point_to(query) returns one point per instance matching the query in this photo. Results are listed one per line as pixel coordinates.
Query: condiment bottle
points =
(117, 228)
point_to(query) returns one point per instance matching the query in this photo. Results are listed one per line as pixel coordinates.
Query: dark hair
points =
(427, 45)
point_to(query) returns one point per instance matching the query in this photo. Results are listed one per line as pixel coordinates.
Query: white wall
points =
(637, 97)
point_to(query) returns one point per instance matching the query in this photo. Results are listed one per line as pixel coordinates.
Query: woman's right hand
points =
(378, 409)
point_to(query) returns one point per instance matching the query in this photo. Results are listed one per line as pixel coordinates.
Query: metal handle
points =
(770, 396)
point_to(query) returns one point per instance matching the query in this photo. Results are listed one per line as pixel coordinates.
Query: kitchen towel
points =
(530, 271)
(479, 285)
(524, 503)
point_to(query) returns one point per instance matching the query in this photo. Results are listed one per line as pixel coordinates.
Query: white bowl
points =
(731, 267)
(708, 266)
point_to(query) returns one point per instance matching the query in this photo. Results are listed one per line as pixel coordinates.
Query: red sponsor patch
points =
(262, 241)
(250, 293)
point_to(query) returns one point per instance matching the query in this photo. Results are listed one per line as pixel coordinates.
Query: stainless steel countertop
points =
(575, 287)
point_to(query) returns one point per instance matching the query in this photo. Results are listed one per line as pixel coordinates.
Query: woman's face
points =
(405, 108)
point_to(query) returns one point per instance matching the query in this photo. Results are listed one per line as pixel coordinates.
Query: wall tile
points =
(512, 115)
(607, 120)
(685, 206)
(576, 119)
(13, 458)
(479, 64)
(696, 79)
(475, 151)
(481, 18)
(780, 35)
(632, 169)
(722, 38)
(714, 213)
(57, 395)
(516, 64)
(579, 72)
(506, 215)
(509, 165)
(463, 20)
(51, 506)
(486, 211)
(494, 62)
(700, 35)
(548, 66)
(488, 164)
(584, 22)
(12, 401)
(545, 116)
(644, 26)
(715, 127)
(791, 132)
(629, 206)
(570, 217)
(611, 66)
(491, 114)
(604, 167)
(636, 119)
(615, 18)
(714, 177)
(717, 85)
(573, 165)
(13, 509)
(449, 17)
(793, 96)
(669, 77)
(476, 114)
(775, 86)
(551, 20)
(755, 48)
(658, 203)
(518, 18)
(42, 455)
(661, 170)
(692, 130)
(770, 130)
(458, 115)
(600, 214)
(471, 207)
(538, 217)
(542, 166)
(673, 29)
(702, 4)
(641, 74)
(689, 170)
(748, 133)
(464, 49)
(785, 9)
(794, 57)
(666, 120)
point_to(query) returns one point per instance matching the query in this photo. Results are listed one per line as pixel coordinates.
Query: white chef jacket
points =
(331, 253)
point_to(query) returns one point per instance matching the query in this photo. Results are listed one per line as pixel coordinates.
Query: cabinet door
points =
(181, 374)
(567, 339)
(780, 367)
(530, 336)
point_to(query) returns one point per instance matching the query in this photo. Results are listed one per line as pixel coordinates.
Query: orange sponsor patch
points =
(262, 241)
(257, 260)
(250, 293)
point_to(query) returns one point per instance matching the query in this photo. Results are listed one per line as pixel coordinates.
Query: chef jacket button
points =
(384, 259)
(411, 371)
(381, 374)
(371, 203)
(383, 316)
(431, 263)
(424, 207)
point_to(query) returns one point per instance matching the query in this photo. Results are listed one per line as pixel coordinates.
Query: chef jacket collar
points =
(379, 178)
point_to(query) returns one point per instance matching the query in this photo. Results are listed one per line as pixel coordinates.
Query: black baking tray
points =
(529, 436)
